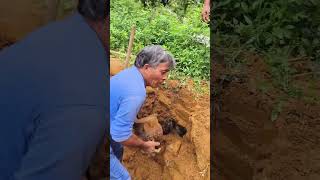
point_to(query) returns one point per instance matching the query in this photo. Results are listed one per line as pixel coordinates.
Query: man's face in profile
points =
(157, 75)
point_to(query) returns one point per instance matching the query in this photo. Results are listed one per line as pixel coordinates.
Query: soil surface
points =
(256, 138)
(186, 157)
(19, 18)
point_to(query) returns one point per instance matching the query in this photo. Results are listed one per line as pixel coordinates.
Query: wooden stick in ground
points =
(133, 30)
(304, 58)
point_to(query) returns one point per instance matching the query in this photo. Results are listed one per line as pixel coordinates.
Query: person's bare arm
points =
(135, 141)
(206, 11)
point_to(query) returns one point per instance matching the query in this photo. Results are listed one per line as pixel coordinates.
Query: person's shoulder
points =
(128, 82)
(57, 33)
(129, 76)
(52, 35)
(122, 76)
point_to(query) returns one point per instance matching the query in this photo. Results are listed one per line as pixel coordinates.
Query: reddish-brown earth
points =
(251, 141)
(186, 157)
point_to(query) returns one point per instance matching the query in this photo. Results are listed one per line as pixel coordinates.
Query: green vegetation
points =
(262, 25)
(180, 31)
(277, 30)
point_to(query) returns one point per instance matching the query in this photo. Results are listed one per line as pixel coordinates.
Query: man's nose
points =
(164, 78)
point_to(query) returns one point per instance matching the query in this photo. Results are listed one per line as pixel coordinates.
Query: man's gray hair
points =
(96, 10)
(154, 55)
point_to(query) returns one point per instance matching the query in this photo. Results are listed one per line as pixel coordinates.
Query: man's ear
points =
(146, 66)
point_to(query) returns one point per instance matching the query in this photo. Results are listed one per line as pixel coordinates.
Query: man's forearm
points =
(134, 141)
(207, 2)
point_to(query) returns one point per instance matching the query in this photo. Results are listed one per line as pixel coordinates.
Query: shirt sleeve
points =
(63, 143)
(121, 125)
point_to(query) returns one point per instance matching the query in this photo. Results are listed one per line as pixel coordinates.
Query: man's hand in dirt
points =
(150, 146)
(206, 11)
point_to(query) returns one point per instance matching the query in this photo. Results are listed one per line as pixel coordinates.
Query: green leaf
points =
(268, 41)
(247, 19)
(244, 6)
(290, 27)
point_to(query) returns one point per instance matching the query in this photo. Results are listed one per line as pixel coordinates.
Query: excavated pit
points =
(185, 149)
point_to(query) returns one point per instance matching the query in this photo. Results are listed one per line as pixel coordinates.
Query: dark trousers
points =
(117, 149)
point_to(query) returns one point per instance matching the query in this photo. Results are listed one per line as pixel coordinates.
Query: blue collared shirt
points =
(127, 94)
(53, 108)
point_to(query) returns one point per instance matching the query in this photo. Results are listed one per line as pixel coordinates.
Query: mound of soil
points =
(251, 139)
(186, 157)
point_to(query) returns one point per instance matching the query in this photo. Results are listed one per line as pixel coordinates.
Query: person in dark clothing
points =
(53, 97)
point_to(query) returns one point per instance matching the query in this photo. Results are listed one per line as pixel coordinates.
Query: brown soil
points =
(251, 141)
(186, 157)
(4, 43)
(19, 18)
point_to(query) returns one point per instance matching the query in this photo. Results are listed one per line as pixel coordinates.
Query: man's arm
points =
(121, 126)
(206, 11)
(62, 144)
(135, 141)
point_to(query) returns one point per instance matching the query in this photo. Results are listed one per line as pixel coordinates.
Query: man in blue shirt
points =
(127, 94)
(53, 97)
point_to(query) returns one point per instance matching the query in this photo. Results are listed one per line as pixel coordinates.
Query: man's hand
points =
(135, 141)
(150, 146)
(206, 11)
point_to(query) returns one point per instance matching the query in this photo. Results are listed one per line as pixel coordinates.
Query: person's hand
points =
(150, 146)
(206, 12)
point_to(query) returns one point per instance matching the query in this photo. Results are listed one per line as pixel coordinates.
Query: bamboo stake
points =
(133, 30)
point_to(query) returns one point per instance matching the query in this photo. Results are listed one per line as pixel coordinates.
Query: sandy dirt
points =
(186, 157)
(19, 18)
(253, 142)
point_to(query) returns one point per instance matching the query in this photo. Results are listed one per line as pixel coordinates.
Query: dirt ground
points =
(251, 141)
(186, 157)
(19, 18)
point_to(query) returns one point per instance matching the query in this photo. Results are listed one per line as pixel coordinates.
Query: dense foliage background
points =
(279, 31)
(267, 24)
(176, 26)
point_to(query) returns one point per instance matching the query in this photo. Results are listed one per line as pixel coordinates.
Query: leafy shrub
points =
(187, 38)
(265, 24)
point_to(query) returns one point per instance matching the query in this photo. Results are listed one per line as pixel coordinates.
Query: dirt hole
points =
(185, 147)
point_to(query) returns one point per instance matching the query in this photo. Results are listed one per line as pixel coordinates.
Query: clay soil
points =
(251, 141)
(186, 157)
(19, 18)
(4, 43)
